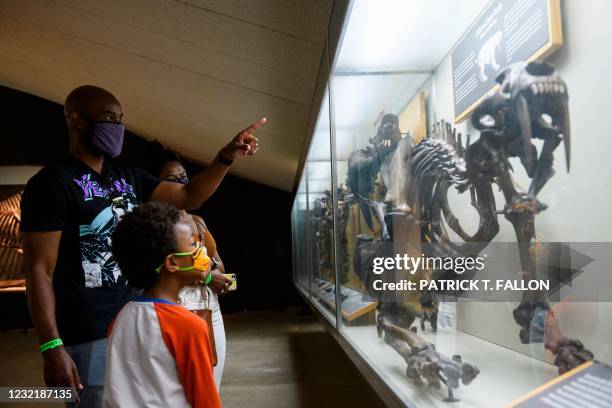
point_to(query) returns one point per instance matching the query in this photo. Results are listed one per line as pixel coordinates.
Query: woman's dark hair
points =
(142, 240)
(157, 156)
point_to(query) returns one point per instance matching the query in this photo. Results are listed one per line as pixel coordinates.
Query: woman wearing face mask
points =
(201, 297)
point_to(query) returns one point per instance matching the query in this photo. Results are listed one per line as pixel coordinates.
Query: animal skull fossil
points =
(532, 102)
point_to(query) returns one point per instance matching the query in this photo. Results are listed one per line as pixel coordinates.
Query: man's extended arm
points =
(191, 196)
(40, 252)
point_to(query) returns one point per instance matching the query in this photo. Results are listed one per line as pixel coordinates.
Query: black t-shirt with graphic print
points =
(71, 197)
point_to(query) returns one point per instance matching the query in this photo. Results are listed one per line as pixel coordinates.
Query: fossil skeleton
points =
(531, 103)
(321, 218)
(11, 254)
(364, 166)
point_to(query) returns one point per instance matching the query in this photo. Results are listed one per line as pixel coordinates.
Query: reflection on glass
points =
(300, 239)
(320, 217)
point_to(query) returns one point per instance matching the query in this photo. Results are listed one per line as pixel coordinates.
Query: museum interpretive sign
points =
(413, 118)
(585, 385)
(506, 31)
(354, 303)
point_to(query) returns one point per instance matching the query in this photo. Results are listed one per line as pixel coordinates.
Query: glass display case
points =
(450, 222)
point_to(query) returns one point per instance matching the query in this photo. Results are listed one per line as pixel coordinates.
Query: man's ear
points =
(170, 265)
(72, 117)
(77, 121)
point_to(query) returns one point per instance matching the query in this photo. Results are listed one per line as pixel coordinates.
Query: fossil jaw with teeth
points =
(547, 88)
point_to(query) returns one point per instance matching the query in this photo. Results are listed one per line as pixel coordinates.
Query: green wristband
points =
(208, 279)
(51, 344)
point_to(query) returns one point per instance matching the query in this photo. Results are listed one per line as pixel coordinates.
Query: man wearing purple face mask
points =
(69, 211)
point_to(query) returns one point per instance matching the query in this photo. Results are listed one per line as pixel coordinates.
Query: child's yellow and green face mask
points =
(201, 261)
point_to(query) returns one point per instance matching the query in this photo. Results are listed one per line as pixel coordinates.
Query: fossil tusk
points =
(525, 122)
(566, 135)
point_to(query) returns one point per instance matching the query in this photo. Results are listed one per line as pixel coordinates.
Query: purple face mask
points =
(106, 137)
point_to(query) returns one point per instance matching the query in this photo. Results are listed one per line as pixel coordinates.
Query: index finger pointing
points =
(255, 125)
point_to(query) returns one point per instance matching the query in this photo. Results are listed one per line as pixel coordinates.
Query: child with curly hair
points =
(159, 354)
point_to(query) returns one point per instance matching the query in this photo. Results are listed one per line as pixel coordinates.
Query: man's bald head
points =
(96, 103)
(85, 109)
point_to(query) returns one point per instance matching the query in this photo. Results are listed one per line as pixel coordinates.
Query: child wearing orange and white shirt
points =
(159, 354)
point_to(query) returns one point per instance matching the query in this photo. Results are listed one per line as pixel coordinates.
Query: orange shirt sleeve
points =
(186, 337)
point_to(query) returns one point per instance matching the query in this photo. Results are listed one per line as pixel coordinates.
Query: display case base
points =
(504, 374)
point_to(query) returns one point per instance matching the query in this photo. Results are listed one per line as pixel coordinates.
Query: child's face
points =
(184, 237)
(186, 243)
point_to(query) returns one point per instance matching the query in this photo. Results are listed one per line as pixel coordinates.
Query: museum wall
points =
(577, 201)
(250, 221)
(17, 175)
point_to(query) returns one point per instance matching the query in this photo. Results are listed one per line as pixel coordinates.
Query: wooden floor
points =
(275, 359)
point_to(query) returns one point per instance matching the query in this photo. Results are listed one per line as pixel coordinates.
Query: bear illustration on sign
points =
(487, 55)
